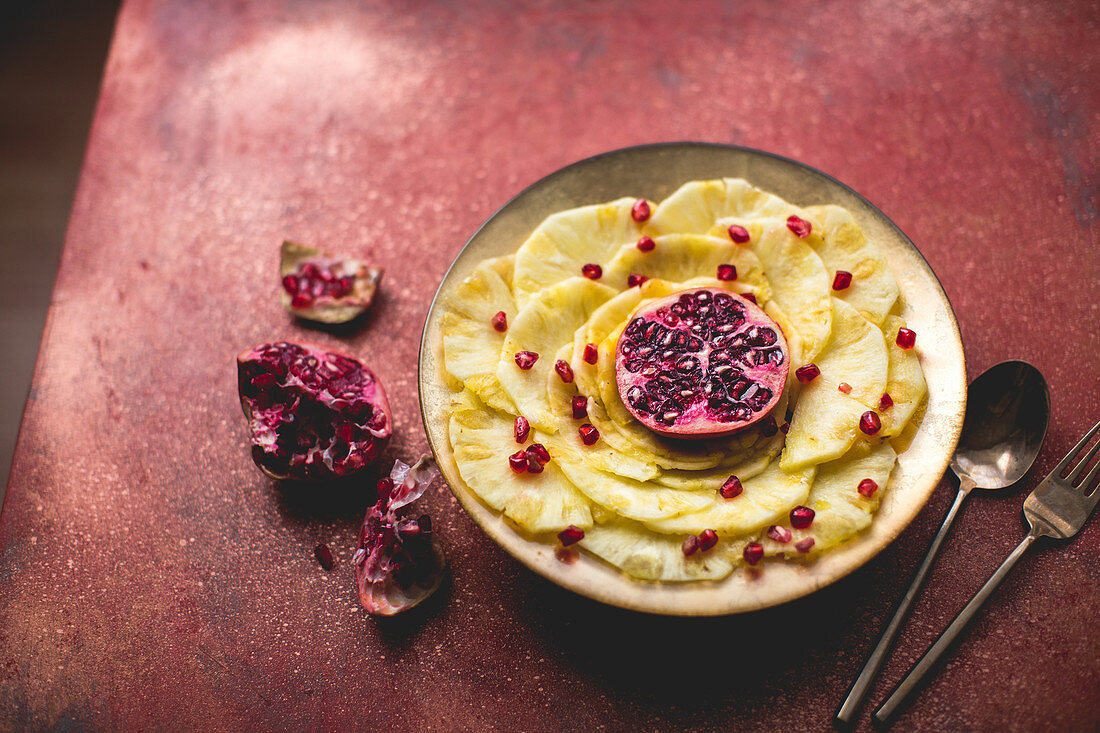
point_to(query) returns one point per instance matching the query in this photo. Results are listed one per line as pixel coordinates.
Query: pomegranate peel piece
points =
(319, 287)
(398, 562)
(313, 414)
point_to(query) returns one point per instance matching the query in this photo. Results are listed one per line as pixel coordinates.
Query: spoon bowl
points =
(1006, 422)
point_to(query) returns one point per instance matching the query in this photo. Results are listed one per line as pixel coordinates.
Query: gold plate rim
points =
(653, 171)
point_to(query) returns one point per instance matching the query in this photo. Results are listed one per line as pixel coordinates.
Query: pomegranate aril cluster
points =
(701, 355)
(531, 460)
(313, 281)
(702, 542)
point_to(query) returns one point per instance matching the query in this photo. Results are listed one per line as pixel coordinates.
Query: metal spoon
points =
(1006, 422)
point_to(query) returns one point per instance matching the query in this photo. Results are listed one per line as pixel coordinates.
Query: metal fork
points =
(1058, 507)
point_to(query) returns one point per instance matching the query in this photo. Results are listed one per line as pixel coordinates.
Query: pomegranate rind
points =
(383, 553)
(326, 309)
(371, 428)
(695, 419)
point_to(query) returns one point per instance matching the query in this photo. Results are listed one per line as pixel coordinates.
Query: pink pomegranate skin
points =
(314, 414)
(701, 363)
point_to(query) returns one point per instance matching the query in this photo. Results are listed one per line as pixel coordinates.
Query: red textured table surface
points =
(151, 577)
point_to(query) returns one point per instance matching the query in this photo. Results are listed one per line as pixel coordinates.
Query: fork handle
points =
(846, 713)
(892, 705)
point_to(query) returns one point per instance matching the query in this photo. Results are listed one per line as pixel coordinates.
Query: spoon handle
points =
(846, 713)
(892, 704)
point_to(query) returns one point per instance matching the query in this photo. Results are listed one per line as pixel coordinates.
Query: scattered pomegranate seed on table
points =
(779, 534)
(842, 280)
(500, 321)
(324, 556)
(640, 211)
(727, 272)
(580, 407)
(523, 427)
(870, 423)
(802, 517)
(738, 233)
(591, 354)
(867, 487)
(518, 461)
(731, 488)
(526, 359)
(571, 535)
(807, 373)
(589, 434)
(646, 244)
(753, 553)
(592, 271)
(708, 538)
(564, 370)
(906, 339)
(804, 545)
(635, 280)
(845, 388)
(800, 227)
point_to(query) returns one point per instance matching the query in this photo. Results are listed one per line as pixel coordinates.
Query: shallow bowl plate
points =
(653, 172)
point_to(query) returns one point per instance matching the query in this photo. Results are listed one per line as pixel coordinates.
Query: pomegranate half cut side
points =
(701, 363)
(313, 414)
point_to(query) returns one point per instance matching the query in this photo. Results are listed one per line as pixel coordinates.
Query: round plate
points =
(653, 172)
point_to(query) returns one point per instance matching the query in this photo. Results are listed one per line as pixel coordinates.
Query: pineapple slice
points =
(471, 346)
(843, 246)
(765, 500)
(841, 512)
(680, 257)
(566, 241)
(749, 466)
(482, 440)
(697, 205)
(826, 421)
(904, 381)
(641, 554)
(547, 322)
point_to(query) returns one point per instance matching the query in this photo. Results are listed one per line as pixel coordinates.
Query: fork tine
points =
(1087, 482)
(1064, 463)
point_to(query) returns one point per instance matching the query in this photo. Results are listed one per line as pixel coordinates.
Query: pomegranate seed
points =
(310, 270)
(634, 279)
(591, 355)
(751, 297)
(640, 211)
(800, 227)
(727, 272)
(526, 359)
(324, 556)
(779, 534)
(867, 487)
(589, 434)
(731, 488)
(571, 535)
(580, 407)
(841, 280)
(538, 450)
(754, 553)
(845, 388)
(522, 429)
(768, 428)
(592, 272)
(691, 544)
(886, 401)
(566, 555)
(739, 233)
(533, 463)
(804, 545)
(500, 321)
(290, 284)
(808, 373)
(301, 301)
(518, 461)
(564, 370)
(646, 244)
(385, 487)
(708, 538)
(906, 339)
(869, 422)
(802, 517)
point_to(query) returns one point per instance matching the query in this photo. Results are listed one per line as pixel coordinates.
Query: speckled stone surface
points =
(152, 578)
